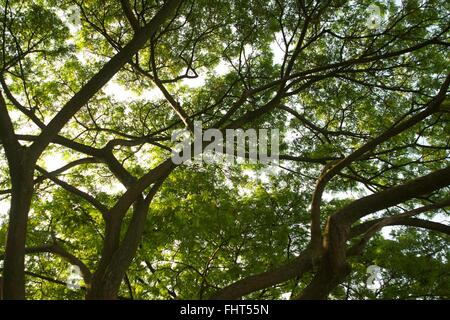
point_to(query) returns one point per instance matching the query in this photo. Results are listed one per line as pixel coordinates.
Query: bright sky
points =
(4, 208)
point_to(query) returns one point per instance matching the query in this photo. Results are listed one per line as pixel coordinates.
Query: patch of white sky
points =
(4, 209)
(277, 47)
(122, 94)
(53, 161)
(286, 296)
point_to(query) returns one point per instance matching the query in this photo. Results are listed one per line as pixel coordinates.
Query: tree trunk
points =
(334, 267)
(103, 290)
(108, 277)
(14, 265)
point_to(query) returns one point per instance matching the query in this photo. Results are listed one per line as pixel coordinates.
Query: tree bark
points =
(117, 258)
(295, 268)
(14, 265)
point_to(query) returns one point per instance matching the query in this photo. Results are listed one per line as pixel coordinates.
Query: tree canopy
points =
(92, 91)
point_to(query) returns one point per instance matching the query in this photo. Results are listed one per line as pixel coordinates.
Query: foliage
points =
(312, 69)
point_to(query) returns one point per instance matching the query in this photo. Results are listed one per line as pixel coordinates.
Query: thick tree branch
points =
(391, 196)
(7, 135)
(294, 268)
